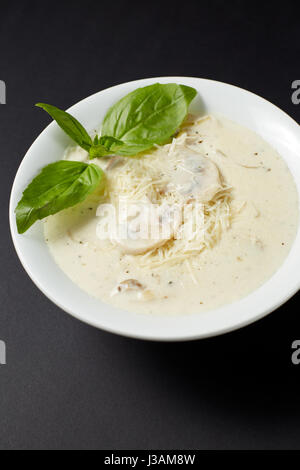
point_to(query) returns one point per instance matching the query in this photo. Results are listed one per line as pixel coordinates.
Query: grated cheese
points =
(148, 177)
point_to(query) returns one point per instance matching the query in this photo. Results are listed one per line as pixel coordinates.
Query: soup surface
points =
(240, 207)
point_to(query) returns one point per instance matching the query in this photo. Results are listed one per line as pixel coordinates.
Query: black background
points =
(67, 385)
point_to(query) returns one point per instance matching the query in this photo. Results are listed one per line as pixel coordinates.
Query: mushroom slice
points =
(130, 284)
(196, 176)
(142, 227)
(114, 162)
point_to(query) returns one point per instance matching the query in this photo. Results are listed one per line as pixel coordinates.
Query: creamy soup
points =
(246, 208)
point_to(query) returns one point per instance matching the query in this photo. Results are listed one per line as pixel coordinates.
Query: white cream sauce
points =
(264, 204)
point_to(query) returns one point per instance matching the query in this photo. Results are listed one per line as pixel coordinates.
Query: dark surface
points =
(67, 385)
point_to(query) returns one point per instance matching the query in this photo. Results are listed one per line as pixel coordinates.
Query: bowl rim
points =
(129, 333)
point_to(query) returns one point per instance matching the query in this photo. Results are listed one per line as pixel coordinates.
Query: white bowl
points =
(254, 112)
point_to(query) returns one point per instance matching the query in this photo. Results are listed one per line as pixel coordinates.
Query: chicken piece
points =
(195, 176)
(144, 227)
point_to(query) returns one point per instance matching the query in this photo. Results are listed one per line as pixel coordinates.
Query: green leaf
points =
(69, 125)
(59, 185)
(148, 116)
(105, 145)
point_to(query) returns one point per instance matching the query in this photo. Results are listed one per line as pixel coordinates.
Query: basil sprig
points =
(145, 117)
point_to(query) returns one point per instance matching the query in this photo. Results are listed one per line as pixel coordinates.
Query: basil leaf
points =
(105, 145)
(69, 125)
(59, 185)
(147, 116)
